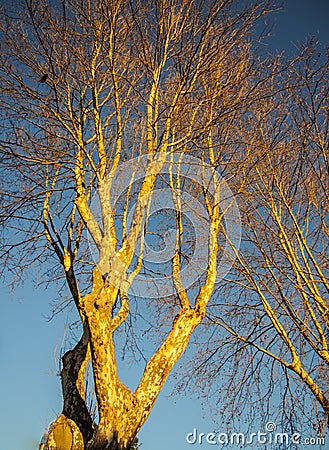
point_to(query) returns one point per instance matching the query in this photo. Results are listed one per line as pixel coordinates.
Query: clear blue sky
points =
(29, 389)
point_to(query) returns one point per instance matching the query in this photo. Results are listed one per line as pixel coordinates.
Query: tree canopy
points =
(141, 142)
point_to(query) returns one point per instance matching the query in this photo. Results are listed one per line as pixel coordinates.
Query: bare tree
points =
(87, 86)
(273, 307)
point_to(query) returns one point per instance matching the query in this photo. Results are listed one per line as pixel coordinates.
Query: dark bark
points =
(74, 407)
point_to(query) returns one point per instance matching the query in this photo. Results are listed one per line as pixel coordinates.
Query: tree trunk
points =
(118, 408)
(121, 412)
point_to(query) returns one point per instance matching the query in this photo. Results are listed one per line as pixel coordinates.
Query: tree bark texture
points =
(121, 411)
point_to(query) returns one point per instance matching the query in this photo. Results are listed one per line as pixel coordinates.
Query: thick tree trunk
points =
(121, 411)
(118, 408)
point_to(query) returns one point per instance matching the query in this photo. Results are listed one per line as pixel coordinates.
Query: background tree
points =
(273, 308)
(86, 86)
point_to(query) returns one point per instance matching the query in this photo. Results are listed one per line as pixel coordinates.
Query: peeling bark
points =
(117, 405)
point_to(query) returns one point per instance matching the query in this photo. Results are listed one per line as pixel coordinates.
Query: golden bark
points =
(125, 80)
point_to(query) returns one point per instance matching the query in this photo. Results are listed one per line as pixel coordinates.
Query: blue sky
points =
(30, 390)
